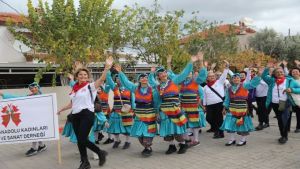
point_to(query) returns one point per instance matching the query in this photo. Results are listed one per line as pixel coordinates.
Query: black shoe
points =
(188, 141)
(241, 143)
(102, 157)
(282, 140)
(100, 137)
(297, 131)
(108, 141)
(126, 145)
(266, 125)
(31, 152)
(42, 148)
(230, 143)
(218, 135)
(182, 148)
(171, 149)
(259, 127)
(210, 130)
(147, 152)
(200, 131)
(116, 144)
(85, 165)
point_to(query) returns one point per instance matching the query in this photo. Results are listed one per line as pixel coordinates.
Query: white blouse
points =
(277, 92)
(82, 99)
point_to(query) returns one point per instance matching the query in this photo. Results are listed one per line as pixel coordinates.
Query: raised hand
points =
(118, 68)
(70, 76)
(77, 65)
(212, 67)
(284, 62)
(200, 56)
(169, 59)
(260, 70)
(206, 64)
(153, 68)
(226, 63)
(270, 65)
(194, 58)
(297, 62)
(109, 61)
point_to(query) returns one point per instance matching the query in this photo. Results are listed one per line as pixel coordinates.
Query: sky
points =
(280, 15)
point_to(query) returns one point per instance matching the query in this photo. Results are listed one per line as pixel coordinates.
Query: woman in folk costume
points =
(101, 122)
(237, 119)
(34, 88)
(190, 102)
(172, 119)
(144, 126)
(120, 122)
(279, 97)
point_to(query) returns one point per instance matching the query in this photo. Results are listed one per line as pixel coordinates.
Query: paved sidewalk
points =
(261, 152)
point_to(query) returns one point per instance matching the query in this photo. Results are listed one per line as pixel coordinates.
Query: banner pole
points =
(59, 151)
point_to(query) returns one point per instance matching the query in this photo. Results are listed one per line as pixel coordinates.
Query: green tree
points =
(268, 41)
(157, 35)
(67, 34)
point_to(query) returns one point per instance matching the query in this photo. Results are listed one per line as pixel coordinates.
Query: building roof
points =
(15, 18)
(225, 29)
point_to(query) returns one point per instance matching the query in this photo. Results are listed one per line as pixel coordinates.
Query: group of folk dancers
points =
(173, 106)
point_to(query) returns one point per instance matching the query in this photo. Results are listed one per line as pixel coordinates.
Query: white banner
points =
(29, 119)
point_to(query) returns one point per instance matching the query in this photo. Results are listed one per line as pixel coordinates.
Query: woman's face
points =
(236, 80)
(163, 75)
(144, 80)
(295, 73)
(279, 73)
(34, 90)
(82, 77)
(211, 77)
(243, 76)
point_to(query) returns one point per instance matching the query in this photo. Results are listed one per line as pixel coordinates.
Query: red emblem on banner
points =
(10, 112)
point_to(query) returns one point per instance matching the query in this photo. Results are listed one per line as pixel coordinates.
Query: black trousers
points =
(214, 116)
(297, 110)
(283, 129)
(82, 123)
(262, 110)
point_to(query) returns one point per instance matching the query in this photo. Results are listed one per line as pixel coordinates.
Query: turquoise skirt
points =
(140, 129)
(167, 127)
(229, 124)
(116, 125)
(99, 122)
(199, 124)
(69, 132)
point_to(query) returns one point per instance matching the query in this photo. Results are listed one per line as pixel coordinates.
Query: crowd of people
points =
(176, 106)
